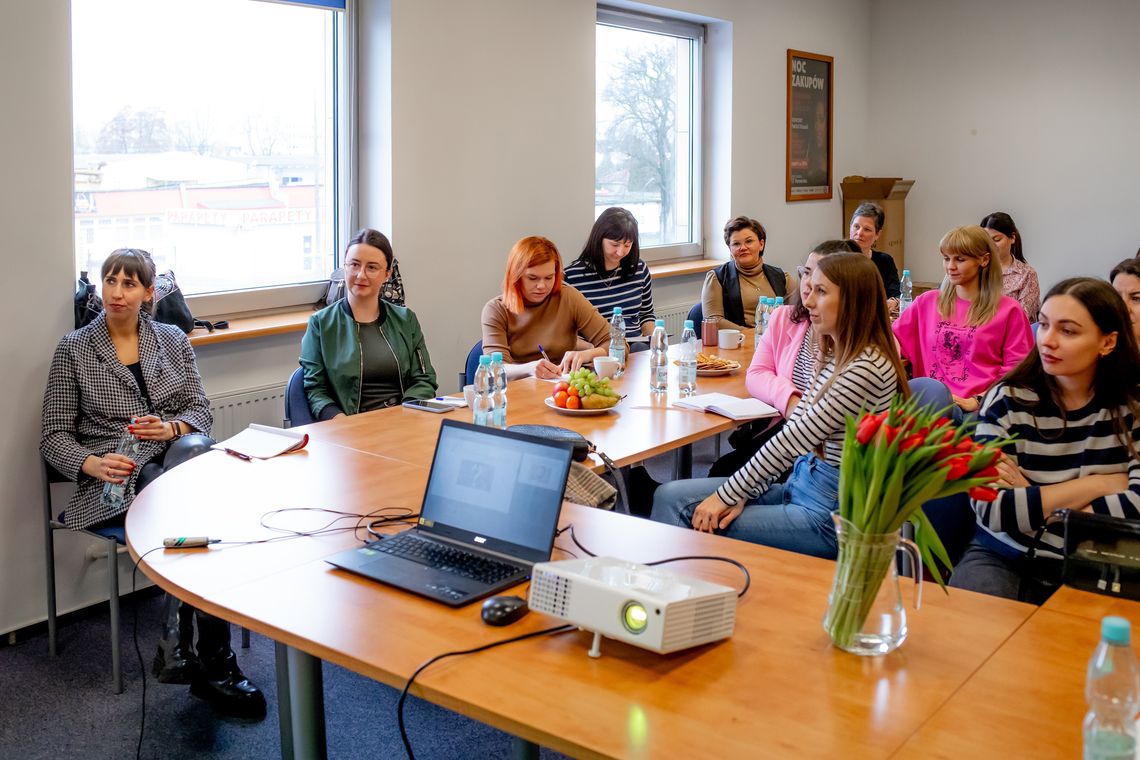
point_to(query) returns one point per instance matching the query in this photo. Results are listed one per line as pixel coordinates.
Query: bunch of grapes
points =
(585, 390)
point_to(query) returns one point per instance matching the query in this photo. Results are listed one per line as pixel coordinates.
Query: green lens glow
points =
(634, 617)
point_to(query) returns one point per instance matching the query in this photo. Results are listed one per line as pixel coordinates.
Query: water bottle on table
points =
(1113, 693)
(906, 291)
(617, 340)
(499, 391)
(687, 374)
(484, 387)
(659, 358)
(115, 493)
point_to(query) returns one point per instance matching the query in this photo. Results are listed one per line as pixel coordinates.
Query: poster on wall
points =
(809, 126)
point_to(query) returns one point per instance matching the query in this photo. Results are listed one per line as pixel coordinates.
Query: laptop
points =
(489, 514)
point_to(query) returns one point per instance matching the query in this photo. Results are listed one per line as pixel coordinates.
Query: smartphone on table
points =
(427, 405)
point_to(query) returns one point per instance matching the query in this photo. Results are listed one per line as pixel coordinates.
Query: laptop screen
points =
(495, 489)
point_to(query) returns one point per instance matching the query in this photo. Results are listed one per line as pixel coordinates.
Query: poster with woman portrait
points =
(809, 126)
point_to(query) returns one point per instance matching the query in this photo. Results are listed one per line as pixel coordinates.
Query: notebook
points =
(728, 406)
(489, 514)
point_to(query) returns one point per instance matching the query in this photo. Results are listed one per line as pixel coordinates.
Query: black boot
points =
(219, 680)
(175, 661)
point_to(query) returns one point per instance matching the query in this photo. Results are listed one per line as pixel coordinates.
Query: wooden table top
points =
(1028, 700)
(776, 688)
(643, 425)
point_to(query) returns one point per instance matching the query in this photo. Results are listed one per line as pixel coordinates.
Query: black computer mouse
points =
(504, 610)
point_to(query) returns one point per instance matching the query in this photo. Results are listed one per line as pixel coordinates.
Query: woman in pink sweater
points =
(783, 367)
(966, 335)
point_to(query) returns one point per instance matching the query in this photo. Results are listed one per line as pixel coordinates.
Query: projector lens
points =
(634, 617)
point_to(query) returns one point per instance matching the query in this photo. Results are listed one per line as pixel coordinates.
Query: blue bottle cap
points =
(617, 311)
(1116, 630)
(497, 356)
(906, 273)
(485, 360)
(659, 323)
(689, 324)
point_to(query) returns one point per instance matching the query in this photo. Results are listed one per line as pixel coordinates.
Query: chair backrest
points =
(696, 314)
(467, 376)
(297, 410)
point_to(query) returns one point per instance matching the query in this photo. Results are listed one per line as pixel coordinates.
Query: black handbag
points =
(335, 290)
(88, 304)
(1102, 553)
(169, 303)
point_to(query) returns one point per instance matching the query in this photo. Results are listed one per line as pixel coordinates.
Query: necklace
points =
(744, 278)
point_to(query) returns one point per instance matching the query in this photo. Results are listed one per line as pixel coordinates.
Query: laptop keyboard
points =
(446, 558)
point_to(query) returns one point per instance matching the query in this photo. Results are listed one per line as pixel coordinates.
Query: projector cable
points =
(404, 693)
(709, 557)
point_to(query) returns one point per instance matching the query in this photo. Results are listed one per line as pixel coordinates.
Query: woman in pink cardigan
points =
(783, 366)
(966, 335)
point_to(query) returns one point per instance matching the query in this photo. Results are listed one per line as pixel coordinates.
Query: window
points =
(207, 134)
(647, 141)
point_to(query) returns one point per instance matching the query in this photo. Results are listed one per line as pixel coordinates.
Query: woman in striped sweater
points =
(1074, 408)
(858, 370)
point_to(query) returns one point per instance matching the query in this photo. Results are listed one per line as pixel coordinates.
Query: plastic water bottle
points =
(1113, 693)
(484, 388)
(499, 391)
(115, 493)
(617, 340)
(659, 358)
(766, 312)
(758, 320)
(779, 302)
(687, 374)
(906, 291)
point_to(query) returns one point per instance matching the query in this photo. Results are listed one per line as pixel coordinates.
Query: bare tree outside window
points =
(644, 134)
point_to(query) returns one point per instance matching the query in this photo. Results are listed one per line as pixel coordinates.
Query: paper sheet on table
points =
(263, 442)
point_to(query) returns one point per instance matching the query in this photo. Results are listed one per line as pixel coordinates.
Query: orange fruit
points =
(561, 386)
(560, 399)
(572, 391)
(573, 402)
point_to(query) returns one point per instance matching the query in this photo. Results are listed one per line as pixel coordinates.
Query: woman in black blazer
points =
(126, 379)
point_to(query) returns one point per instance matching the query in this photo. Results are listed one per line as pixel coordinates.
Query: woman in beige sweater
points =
(537, 309)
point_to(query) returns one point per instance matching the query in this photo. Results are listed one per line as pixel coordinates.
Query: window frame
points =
(696, 33)
(344, 192)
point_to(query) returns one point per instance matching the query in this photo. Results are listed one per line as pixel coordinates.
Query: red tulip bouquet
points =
(893, 463)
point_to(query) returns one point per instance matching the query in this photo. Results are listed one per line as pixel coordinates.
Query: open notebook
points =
(728, 406)
(263, 442)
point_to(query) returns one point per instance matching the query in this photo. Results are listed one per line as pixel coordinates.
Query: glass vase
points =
(865, 613)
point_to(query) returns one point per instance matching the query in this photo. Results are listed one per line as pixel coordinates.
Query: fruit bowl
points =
(580, 412)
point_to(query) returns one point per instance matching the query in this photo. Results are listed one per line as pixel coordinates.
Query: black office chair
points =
(113, 542)
(696, 314)
(297, 410)
(467, 376)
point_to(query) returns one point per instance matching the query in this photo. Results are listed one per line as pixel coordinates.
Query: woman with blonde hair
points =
(966, 334)
(537, 313)
(858, 370)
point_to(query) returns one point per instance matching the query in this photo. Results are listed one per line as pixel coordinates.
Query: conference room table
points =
(643, 425)
(776, 688)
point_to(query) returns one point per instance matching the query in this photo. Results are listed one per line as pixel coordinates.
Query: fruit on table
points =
(585, 390)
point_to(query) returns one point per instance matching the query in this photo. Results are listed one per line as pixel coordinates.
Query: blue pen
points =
(542, 351)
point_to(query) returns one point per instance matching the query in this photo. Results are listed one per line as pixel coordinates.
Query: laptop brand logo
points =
(480, 540)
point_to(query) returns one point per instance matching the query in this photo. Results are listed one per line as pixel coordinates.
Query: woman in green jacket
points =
(362, 353)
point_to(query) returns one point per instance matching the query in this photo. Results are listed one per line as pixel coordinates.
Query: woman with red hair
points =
(537, 309)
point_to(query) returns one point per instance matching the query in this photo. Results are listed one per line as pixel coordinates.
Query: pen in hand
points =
(542, 351)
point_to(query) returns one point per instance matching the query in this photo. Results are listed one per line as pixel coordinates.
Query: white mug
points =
(730, 338)
(606, 366)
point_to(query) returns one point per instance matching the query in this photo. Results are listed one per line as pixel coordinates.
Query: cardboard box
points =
(888, 192)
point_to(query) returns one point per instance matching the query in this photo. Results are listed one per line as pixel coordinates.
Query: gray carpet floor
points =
(62, 707)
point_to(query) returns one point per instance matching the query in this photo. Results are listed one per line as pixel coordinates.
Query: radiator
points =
(674, 317)
(234, 411)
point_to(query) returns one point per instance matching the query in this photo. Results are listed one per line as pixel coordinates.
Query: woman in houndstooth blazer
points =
(125, 374)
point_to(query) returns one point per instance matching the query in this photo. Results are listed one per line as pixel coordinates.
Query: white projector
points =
(641, 605)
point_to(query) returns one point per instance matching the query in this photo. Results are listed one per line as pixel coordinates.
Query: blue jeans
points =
(934, 395)
(795, 516)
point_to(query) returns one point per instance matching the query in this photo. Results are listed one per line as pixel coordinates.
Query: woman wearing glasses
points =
(363, 353)
(732, 290)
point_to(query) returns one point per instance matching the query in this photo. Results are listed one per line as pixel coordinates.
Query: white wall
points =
(1025, 106)
(36, 249)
